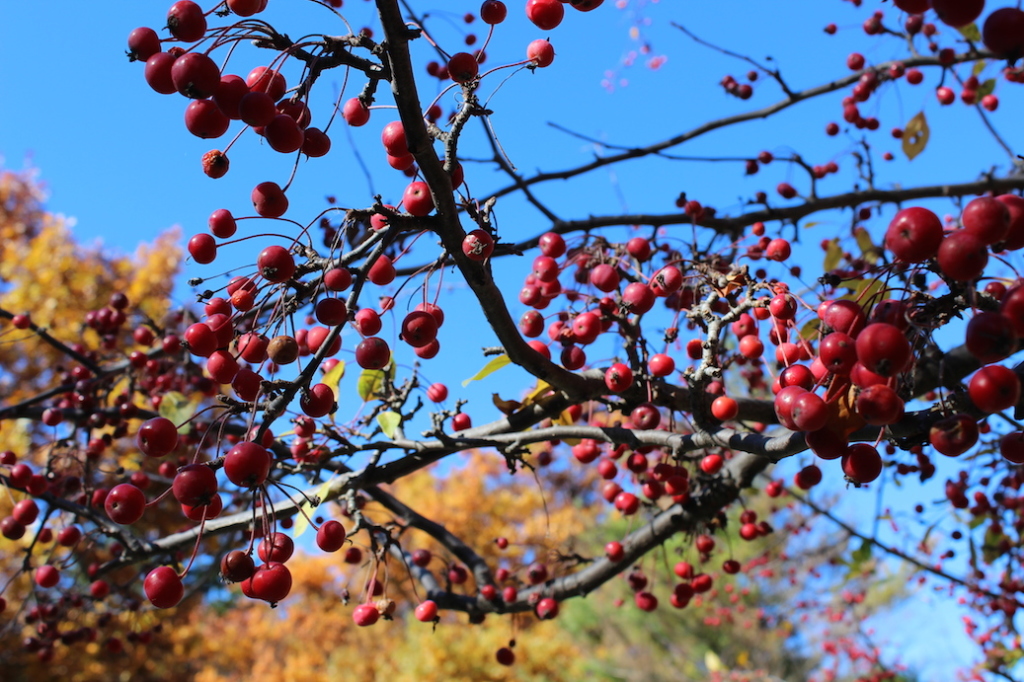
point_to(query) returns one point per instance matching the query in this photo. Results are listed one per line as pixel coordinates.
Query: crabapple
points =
(914, 235)
(125, 504)
(545, 14)
(540, 52)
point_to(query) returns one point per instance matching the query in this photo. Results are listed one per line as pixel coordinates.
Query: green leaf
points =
(370, 383)
(859, 557)
(810, 330)
(333, 378)
(864, 290)
(178, 408)
(811, 224)
(971, 32)
(862, 553)
(306, 509)
(915, 136)
(389, 422)
(978, 67)
(833, 255)
(490, 368)
(986, 88)
(372, 380)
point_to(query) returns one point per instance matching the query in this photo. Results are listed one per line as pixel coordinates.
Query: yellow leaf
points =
(333, 377)
(389, 422)
(371, 381)
(542, 388)
(811, 224)
(833, 255)
(712, 662)
(490, 368)
(565, 419)
(867, 248)
(915, 136)
(121, 386)
(866, 291)
(971, 32)
(369, 384)
(178, 408)
(301, 522)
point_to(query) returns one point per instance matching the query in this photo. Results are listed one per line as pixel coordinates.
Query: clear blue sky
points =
(116, 156)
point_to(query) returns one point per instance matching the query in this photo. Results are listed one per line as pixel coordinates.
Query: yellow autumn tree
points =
(57, 282)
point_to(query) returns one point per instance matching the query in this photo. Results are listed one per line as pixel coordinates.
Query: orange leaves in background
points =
(44, 272)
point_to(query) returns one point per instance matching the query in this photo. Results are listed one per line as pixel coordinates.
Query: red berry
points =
(493, 12)
(263, 79)
(545, 14)
(724, 408)
(711, 464)
(157, 437)
(958, 13)
(862, 463)
(994, 388)
(25, 512)
(203, 248)
(143, 43)
(195, 485)
(882, 348)
(195, 75)
(962, 256)
(879, 405)
(1003, 32)
(247, 464)
(914, 235)
(618, 377)
(271, 582)
(229, 94)
(355, 112)
(954, 435)
(269, 200)
(331, 536)
(318, 401)
(991, 336)
(478, 245)
(426, 612)
(365, 615)
(276, 264)
(1015, 235)
(186, 21)
(1011, 446)
(808, 477)
(547, 608)
(382, 272)
(393, 138)
(540, 52)
(276, 547)
(203, 118)
(463, 67)
(47, 576)
(125, 504)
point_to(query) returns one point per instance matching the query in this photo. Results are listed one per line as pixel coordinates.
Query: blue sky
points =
(116, 157)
